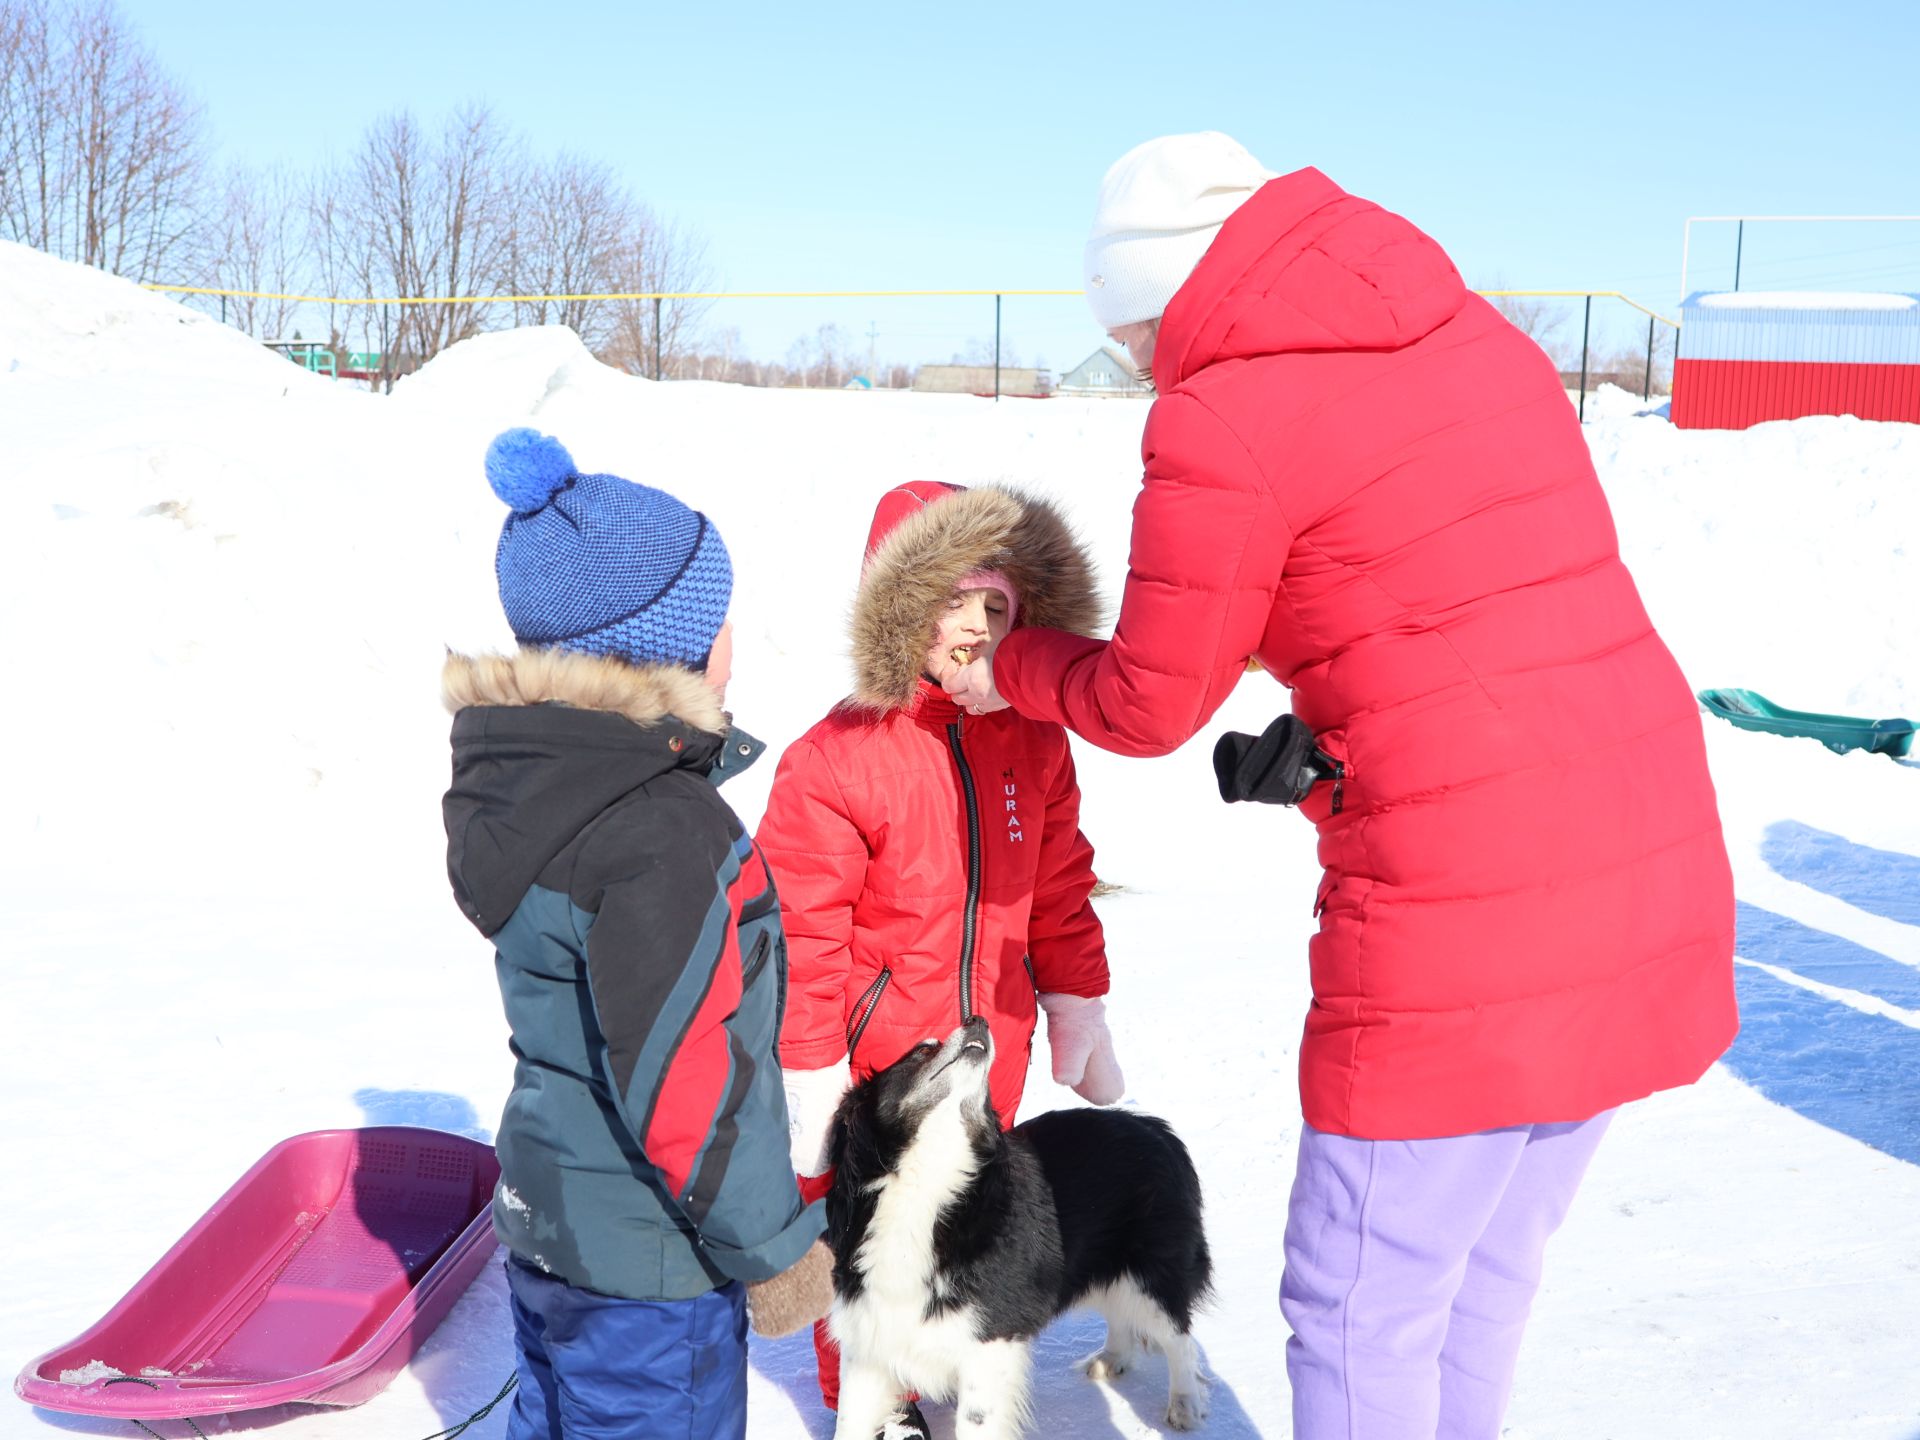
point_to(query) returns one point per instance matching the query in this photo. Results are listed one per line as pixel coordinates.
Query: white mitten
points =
(1082, 1047)
(812, 1097)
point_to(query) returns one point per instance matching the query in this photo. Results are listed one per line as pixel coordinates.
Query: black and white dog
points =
(954, 1245)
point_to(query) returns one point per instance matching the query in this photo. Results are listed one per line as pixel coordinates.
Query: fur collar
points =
(643, 693)
(912, 572)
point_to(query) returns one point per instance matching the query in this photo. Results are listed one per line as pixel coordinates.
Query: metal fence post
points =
(996, 348)
(1586, 329)
(1646, 390)
(656, 337)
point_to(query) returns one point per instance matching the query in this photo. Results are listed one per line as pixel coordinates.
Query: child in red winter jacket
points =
(930, 862)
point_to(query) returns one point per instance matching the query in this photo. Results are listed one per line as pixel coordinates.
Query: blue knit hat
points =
(601, 565)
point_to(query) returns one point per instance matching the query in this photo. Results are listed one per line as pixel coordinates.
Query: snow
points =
(228, 588)
(1804, 300)
(91, 1371)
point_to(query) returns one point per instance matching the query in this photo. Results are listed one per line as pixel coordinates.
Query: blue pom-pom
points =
(527, 469)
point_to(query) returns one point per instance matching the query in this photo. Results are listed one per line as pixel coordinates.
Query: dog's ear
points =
(853, 1150)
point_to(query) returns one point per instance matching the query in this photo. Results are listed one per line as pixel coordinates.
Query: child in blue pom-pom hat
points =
(645, 1195)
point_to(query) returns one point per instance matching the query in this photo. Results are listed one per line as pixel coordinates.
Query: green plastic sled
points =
(1839, 733)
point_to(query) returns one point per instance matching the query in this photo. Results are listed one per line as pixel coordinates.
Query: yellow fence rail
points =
(1588, 294)
(610, 295)
(657, 296)
(756, 295)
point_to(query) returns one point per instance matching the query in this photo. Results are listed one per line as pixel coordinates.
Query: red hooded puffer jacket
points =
(930, 863)
(1358, 473)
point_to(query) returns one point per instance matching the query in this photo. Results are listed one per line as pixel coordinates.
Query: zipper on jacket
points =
(756, 958)
(864, 1007)
(969, 923)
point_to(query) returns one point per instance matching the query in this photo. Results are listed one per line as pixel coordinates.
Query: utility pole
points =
(996, 349)
(873, 334)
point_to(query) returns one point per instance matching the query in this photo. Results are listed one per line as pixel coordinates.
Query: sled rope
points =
(448, 1434)
(480, 1414)
(136, 1380)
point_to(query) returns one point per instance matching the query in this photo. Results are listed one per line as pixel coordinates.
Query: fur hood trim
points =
(644, 694)
(911, 573)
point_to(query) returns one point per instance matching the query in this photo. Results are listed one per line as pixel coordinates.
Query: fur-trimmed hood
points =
(547, 742)
(643, 694)
(910, 574)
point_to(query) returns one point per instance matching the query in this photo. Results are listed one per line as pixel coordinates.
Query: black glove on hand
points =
(1278, 767)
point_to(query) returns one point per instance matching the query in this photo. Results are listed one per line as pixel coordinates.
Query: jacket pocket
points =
(1328, 884)
(756, 958)
(864, 1007)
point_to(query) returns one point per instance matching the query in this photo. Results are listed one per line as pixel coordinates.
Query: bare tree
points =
(412, 219)
(1626, 365)
(820, 361)
(260, 244)
(344, 263)
(979, 351)
(657, 257)
(564, 237)
(1540, 320)
(718, 359)
(725, 354)
(830, 362)
(104, 161)
(29, 129)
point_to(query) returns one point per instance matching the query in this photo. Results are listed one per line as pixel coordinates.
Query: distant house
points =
(978, 380)
(1105, 372)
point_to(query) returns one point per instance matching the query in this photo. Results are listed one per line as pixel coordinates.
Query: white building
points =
(1105, 372)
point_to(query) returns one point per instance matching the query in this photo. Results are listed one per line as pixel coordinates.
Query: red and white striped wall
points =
(1749, 356)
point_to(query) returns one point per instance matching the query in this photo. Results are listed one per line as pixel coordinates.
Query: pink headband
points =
(994, 580)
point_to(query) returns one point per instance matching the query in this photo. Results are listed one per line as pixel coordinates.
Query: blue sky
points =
(827, 147)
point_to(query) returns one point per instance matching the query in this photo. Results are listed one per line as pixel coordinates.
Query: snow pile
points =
(1774, 558)
(512, 372)
(59, 319)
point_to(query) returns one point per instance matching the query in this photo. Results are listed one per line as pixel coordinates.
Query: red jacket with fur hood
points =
(930, 863)
(1358, 473)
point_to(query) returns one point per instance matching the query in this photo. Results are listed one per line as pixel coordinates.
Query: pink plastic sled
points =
(315, 1279)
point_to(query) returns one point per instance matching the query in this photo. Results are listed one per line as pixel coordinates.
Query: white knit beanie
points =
(1160, 207)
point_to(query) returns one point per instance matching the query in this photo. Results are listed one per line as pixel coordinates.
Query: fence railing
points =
(1586, 329)
(659, 297)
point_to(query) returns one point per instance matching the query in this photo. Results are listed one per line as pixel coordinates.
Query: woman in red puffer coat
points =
(1361, 477)
(930, 863)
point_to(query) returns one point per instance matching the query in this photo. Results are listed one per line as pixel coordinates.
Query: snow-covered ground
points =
(226, 591)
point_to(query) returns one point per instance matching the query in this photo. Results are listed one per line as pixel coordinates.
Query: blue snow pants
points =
(597, 1367)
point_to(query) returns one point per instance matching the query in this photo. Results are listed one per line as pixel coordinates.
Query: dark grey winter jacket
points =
(643, 1151)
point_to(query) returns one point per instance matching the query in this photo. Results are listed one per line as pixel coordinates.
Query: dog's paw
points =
(1106, 1365)
(1187, 1410)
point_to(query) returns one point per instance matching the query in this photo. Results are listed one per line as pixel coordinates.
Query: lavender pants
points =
(1411, 1266)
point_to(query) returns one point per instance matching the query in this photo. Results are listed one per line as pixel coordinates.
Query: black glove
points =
(1277, 768)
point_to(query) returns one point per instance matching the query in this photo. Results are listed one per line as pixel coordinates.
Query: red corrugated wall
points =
(1733, 394)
